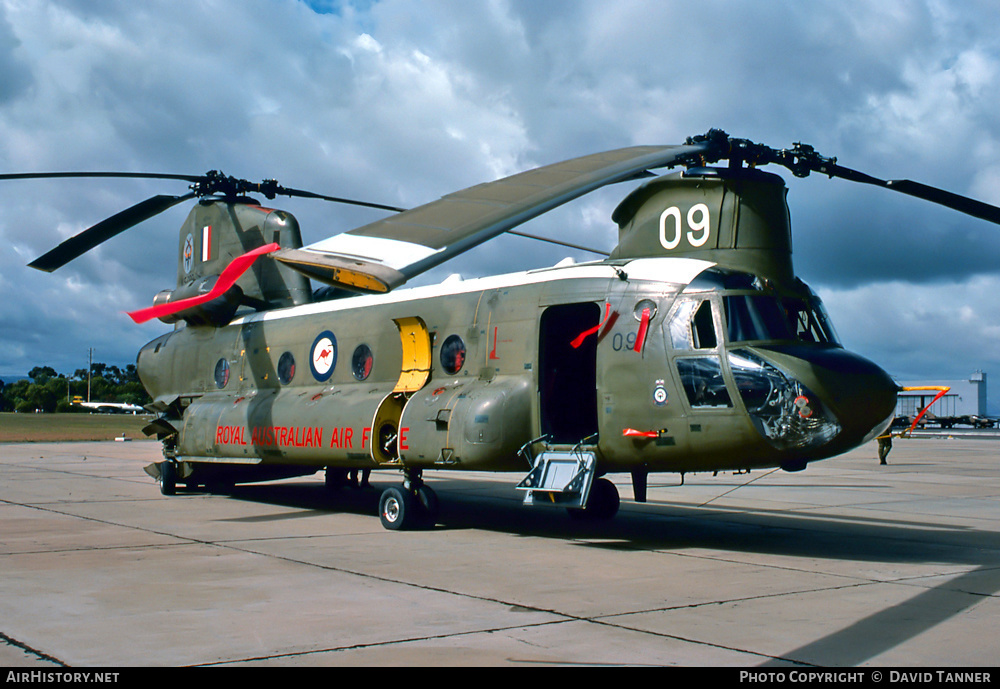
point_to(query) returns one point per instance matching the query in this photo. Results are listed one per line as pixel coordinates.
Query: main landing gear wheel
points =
(602, 503)
(168, 478)
(335, 479)
(429, 504)
(409, 506)
(396, 508)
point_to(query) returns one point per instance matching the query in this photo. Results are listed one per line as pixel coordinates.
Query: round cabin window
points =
(286, 368)
(221, 373)
(453, 354)
(362, 361)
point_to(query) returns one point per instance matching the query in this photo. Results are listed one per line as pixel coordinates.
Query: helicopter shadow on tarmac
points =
(486, 505)
(676, 527)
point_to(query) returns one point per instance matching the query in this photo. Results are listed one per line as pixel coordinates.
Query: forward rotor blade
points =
(962, 204)
(802, 159)
(105, 230)
(557, 242)
(391, 251)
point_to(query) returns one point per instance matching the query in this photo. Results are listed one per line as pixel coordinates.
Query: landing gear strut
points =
(411, 505)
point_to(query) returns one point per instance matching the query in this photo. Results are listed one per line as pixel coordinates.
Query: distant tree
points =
(47, 390)
(40, 374)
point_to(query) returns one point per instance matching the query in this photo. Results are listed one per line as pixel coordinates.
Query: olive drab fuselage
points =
(303, 385)
(692, 348)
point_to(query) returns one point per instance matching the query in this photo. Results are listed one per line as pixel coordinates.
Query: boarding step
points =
(560, 478)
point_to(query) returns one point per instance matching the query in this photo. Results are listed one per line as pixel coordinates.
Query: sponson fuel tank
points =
(474, 423)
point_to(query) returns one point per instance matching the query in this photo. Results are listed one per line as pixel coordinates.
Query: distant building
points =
(966, 397)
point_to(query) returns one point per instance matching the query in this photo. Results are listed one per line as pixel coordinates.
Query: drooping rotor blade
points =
(385, 254)
(106, 229)
(802, 159)
(962, 204)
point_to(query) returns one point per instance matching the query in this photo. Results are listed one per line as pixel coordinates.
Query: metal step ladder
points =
(560, 478)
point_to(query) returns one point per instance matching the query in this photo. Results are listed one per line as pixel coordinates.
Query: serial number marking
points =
(699, 222)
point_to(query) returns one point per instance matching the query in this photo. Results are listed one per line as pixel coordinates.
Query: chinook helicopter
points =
(692, 347)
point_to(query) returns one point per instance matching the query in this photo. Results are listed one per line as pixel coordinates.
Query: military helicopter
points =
(692, 347)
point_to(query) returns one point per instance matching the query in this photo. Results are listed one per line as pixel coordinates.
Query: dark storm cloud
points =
(16, 74)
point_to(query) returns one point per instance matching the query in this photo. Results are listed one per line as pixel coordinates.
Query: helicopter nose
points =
(860, 394)
(814, 402)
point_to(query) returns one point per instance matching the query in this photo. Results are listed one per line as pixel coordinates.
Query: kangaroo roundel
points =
(323, 356)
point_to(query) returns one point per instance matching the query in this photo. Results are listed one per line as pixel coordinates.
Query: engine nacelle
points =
(477, 424)
(217, 312)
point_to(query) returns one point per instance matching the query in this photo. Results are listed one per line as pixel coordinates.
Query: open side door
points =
(567, 373)
(415, 371)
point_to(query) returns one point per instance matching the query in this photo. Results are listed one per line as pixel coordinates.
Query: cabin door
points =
(567, 374)
(415, 370)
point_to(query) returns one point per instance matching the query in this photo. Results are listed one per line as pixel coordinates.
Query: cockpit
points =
(722, 331)
(751, 312)
(752, 317)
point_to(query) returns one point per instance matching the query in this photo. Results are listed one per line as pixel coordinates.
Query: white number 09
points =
(698, 222)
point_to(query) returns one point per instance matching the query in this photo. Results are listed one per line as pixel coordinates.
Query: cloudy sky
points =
(401, 101)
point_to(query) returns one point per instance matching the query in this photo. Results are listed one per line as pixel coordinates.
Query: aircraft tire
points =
(335, 479)
(397, 509)
(602, 503)
(430, 506)
(168, 478)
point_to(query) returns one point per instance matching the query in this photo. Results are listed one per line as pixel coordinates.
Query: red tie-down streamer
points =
(227, 279)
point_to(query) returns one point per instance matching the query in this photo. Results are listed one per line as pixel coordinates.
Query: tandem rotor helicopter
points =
(693, 347)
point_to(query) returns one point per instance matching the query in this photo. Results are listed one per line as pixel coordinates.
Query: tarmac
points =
(847, 563)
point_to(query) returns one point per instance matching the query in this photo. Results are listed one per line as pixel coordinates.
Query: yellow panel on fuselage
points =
(416, 365)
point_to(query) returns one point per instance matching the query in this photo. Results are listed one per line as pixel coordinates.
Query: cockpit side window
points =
(692, 330)
(704, 328)
(703, 381)
(691, 326)
(809, 322)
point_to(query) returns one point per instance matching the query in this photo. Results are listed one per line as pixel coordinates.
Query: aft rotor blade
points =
(285, 191)
(106, 229)
(116, 175)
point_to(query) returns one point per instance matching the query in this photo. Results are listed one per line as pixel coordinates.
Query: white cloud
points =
(911, 329)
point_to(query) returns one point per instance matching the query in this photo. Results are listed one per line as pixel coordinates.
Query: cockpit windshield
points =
(752, 317)
(809, 321)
